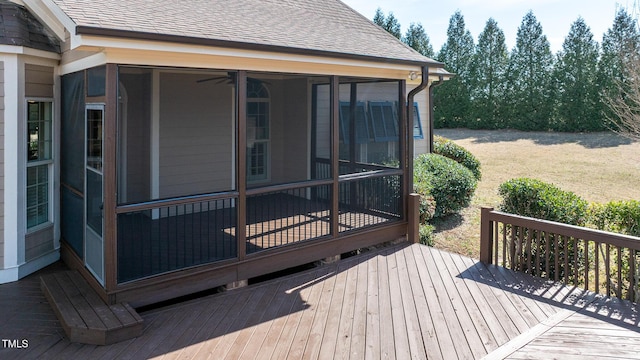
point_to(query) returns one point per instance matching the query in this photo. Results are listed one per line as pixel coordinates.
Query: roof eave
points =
(137, 35)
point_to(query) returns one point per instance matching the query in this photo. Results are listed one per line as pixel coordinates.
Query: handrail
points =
(183, 200)
(288, 186)
(369, 175)
(357, 164)
(597, 260)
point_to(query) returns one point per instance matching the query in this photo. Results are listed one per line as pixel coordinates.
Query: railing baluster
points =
(528, 265)
(565, 242)
(547, 260)
(504, 243)
(597, 266)
(586, 264)
(576, 261)
(496, 237)
(631, 294)
(607, 269)
(619, 290)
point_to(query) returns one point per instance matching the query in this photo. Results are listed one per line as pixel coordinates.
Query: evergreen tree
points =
(575, 82)
(620, 49)
(452, 99)
(389, 23)
(378, 18)
(418, 40)
(392, 25)
(530, 64)
(487, 78)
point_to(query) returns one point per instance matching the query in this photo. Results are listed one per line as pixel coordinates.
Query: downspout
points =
(409, 157)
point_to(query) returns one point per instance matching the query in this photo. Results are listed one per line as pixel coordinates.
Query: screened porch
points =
(211, 168)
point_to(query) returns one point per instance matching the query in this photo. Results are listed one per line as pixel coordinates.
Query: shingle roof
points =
(323, 26)
(19, 28)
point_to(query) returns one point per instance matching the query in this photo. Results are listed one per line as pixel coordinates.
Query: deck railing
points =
(166, 235)
(603, 262)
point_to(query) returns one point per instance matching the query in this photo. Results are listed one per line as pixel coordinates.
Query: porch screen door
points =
(94, 244)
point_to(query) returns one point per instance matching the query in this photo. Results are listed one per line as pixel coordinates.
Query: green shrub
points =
(426, 234)
(427, 202)
(616, 216)
(451, 184)
(448, 148)
(537, 199)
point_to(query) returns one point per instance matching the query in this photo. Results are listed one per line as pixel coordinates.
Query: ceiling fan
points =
(230, 79)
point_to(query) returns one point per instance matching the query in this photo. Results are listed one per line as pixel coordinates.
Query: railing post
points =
(413, 233)
(486, 236)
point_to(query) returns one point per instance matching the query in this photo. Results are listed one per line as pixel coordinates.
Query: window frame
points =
(48, 162)
(361, 123)
(418, 122)
(266, 177)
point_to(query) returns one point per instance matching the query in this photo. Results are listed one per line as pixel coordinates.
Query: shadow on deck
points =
(405, 301)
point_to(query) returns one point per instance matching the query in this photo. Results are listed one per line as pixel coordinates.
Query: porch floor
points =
(406, 301)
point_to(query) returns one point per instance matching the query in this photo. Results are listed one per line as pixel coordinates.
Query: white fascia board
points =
(93, 42)
(83, 63)
(21, 50)
(51, 16)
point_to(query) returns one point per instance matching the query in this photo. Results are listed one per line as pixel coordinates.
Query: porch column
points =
(110, 178)
(241, 164)
(335, 152)
(406, 146)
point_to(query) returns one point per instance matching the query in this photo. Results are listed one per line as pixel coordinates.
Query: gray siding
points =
(38, 243)
(38, 81)
(1, 165)
(196, 133)
(422, 98)
(289, 131)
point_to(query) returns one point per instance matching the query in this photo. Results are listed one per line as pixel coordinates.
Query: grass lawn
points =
(598, 167)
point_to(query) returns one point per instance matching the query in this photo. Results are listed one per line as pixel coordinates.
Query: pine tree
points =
(575, 82)
(487, 78)
(392, 25)
(452, 99)
(418, 40)
(620, 51)
(389, 23)
(528, 81)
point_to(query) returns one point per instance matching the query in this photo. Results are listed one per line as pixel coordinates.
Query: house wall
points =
(421, 146)
(289, 133)
(196, 135)
(1, 164)
(39, 84)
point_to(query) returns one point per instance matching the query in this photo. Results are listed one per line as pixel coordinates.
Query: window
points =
(39, 161)
(384, 120)
(417, 125)
(362, 125)
(258, 131)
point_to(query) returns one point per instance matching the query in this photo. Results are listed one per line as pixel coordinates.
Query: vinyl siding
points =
(38, 81)
(38, 243)
(289, 131)
(196, 133)
(422, 145)
(1, 165)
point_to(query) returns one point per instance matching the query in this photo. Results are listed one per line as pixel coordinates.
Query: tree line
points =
(527, 88)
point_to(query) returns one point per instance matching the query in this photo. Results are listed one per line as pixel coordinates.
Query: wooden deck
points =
(407, 301)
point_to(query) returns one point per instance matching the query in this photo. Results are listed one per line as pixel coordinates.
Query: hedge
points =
(448, 148)
(451, 184)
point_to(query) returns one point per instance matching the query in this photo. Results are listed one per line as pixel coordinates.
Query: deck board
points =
(406, 301)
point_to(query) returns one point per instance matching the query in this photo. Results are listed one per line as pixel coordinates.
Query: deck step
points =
(84, 316)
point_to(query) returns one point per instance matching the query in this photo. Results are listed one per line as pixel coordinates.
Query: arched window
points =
(258, 131)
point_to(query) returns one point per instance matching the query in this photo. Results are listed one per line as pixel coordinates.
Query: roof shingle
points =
(327, 26)
(19, 28)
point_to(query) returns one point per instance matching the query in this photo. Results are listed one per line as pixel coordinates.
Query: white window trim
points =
(50, 162)
(267, 141)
